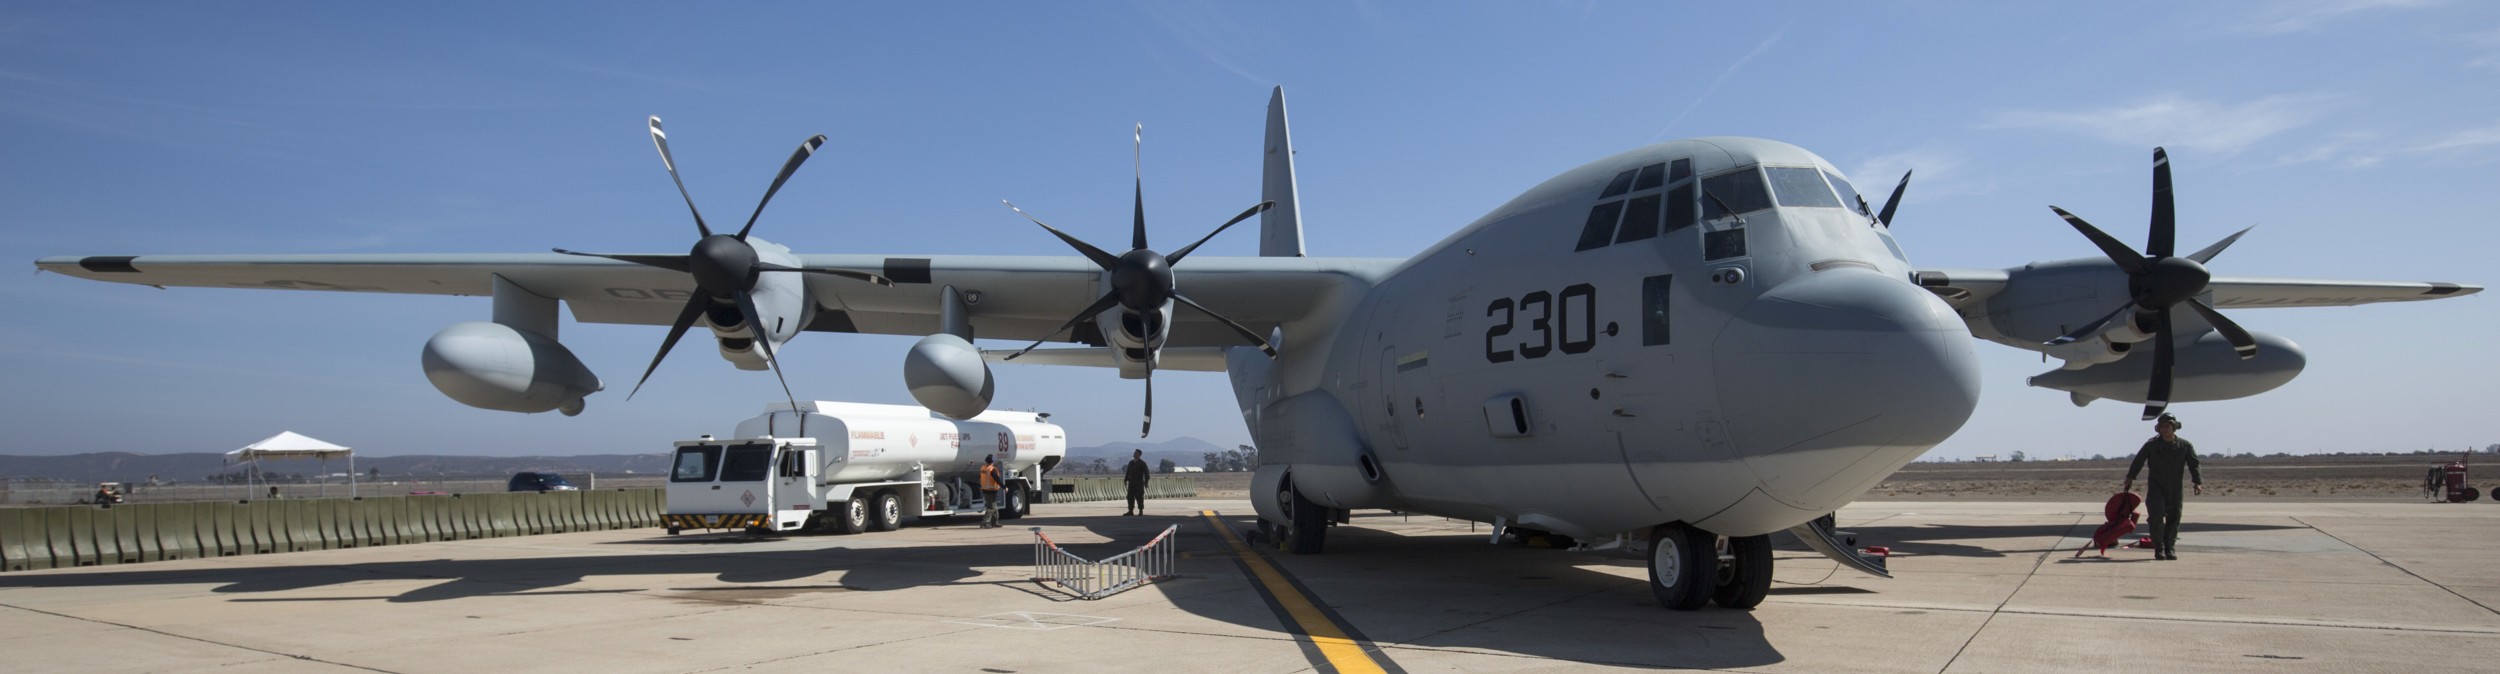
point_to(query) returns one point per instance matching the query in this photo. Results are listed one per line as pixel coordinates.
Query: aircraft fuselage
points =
(1709, 331)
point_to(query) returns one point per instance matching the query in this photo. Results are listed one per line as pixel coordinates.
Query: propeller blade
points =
(1245, 332)
(2165, 222)
(2126, 258)
(1149, 427)
(806, 149)
(1106, 302)
(1886, 215)
(2231, 330)
(685, 319)
(763, 340)
(2209, 252)
(1175, 258)
(2094, 328)
(844, 273)
(660, 138)
(1107, 261)
(669, 262)
(2157, 398)
(1138, 239)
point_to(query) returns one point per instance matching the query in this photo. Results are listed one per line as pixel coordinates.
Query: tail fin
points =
(1280, 228)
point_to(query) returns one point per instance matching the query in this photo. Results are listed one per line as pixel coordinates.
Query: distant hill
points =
(1185, 451)
(194, 467)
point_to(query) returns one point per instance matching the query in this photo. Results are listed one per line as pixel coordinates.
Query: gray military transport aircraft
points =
(1670, 352)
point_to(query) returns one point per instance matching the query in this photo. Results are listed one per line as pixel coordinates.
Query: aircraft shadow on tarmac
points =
(1400, 591)
(1930, 539)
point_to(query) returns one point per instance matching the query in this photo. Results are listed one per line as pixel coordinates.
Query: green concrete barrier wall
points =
(1115, 489)
(85, 535)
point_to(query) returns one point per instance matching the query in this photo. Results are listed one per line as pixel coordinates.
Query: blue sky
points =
(2359, 136)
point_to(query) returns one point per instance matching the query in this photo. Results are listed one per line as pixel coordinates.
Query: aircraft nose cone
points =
(1831, 381)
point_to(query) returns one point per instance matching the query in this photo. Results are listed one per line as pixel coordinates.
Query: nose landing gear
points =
(1689, 567)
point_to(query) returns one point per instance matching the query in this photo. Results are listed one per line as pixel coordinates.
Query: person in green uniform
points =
(2167, 453)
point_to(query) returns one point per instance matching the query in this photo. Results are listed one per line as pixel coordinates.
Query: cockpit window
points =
(1682, 168)
(1652, 176)
(1849, 198)
(1798, 187)
(1600, 229)
(1640, 219)
(1622, 183)
(1740, 192)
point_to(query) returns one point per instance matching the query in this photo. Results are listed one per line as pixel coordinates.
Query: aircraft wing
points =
(1964, 288)
(1010, 297)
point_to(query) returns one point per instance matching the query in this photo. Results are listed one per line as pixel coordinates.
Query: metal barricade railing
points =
(1094, 580)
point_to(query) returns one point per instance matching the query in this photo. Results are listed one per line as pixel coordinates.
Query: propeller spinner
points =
(2157, 281)
(724, 266)
(1141, 279)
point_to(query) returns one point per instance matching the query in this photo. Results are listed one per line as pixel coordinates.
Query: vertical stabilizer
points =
(1280, 228)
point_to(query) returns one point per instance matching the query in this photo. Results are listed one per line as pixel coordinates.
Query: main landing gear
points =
(1689, 567)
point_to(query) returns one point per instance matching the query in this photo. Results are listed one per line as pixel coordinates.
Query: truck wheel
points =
(854, 517)
(1310, 524)
(888, 513)
(1014, 506)
(1745, 580)
(1683, 566)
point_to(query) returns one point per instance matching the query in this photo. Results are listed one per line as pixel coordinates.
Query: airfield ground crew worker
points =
(2167, 453)
(989, 492)
(104, 495)
(1137, 475)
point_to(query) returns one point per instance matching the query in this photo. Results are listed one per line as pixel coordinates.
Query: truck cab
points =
(760, 484)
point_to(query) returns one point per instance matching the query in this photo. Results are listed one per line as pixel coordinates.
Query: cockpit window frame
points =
(1800, 187)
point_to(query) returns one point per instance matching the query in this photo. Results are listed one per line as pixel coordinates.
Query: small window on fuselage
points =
(1800, 187)
(1740, 192)
(1654, 309)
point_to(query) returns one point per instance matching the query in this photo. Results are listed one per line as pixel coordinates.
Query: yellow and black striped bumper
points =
(739, 521)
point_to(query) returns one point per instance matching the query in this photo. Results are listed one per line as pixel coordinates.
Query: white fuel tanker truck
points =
(853, 467)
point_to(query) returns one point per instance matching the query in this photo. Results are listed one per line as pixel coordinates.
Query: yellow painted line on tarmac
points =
(1342, 651)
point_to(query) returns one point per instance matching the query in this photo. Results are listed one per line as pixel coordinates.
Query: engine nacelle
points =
(1134, 337)
(498, 367)
(2205, 369)
(2089, 352)
(947, 375)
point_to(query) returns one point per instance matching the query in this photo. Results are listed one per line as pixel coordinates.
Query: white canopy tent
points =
(293, 445)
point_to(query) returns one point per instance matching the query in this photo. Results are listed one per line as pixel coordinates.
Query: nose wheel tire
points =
(888, 513)
(854, 517)
(1745, 577)
(1683, 566)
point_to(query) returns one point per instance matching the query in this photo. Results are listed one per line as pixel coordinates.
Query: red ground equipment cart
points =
(2446, 482)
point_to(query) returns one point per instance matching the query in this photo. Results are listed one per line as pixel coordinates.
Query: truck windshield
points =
(747, 463)
(696, 463)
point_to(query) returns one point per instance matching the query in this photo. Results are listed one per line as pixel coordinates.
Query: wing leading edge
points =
(1008, 297)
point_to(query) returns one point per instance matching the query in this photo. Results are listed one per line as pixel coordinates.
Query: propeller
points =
(1885, 216)
(2158, 281)
(724, 266)
(1141, 279)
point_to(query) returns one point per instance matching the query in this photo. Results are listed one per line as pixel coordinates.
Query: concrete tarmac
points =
(1979, 587)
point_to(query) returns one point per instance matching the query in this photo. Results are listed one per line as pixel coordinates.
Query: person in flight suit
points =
(2167, 453)
(1137, 475)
